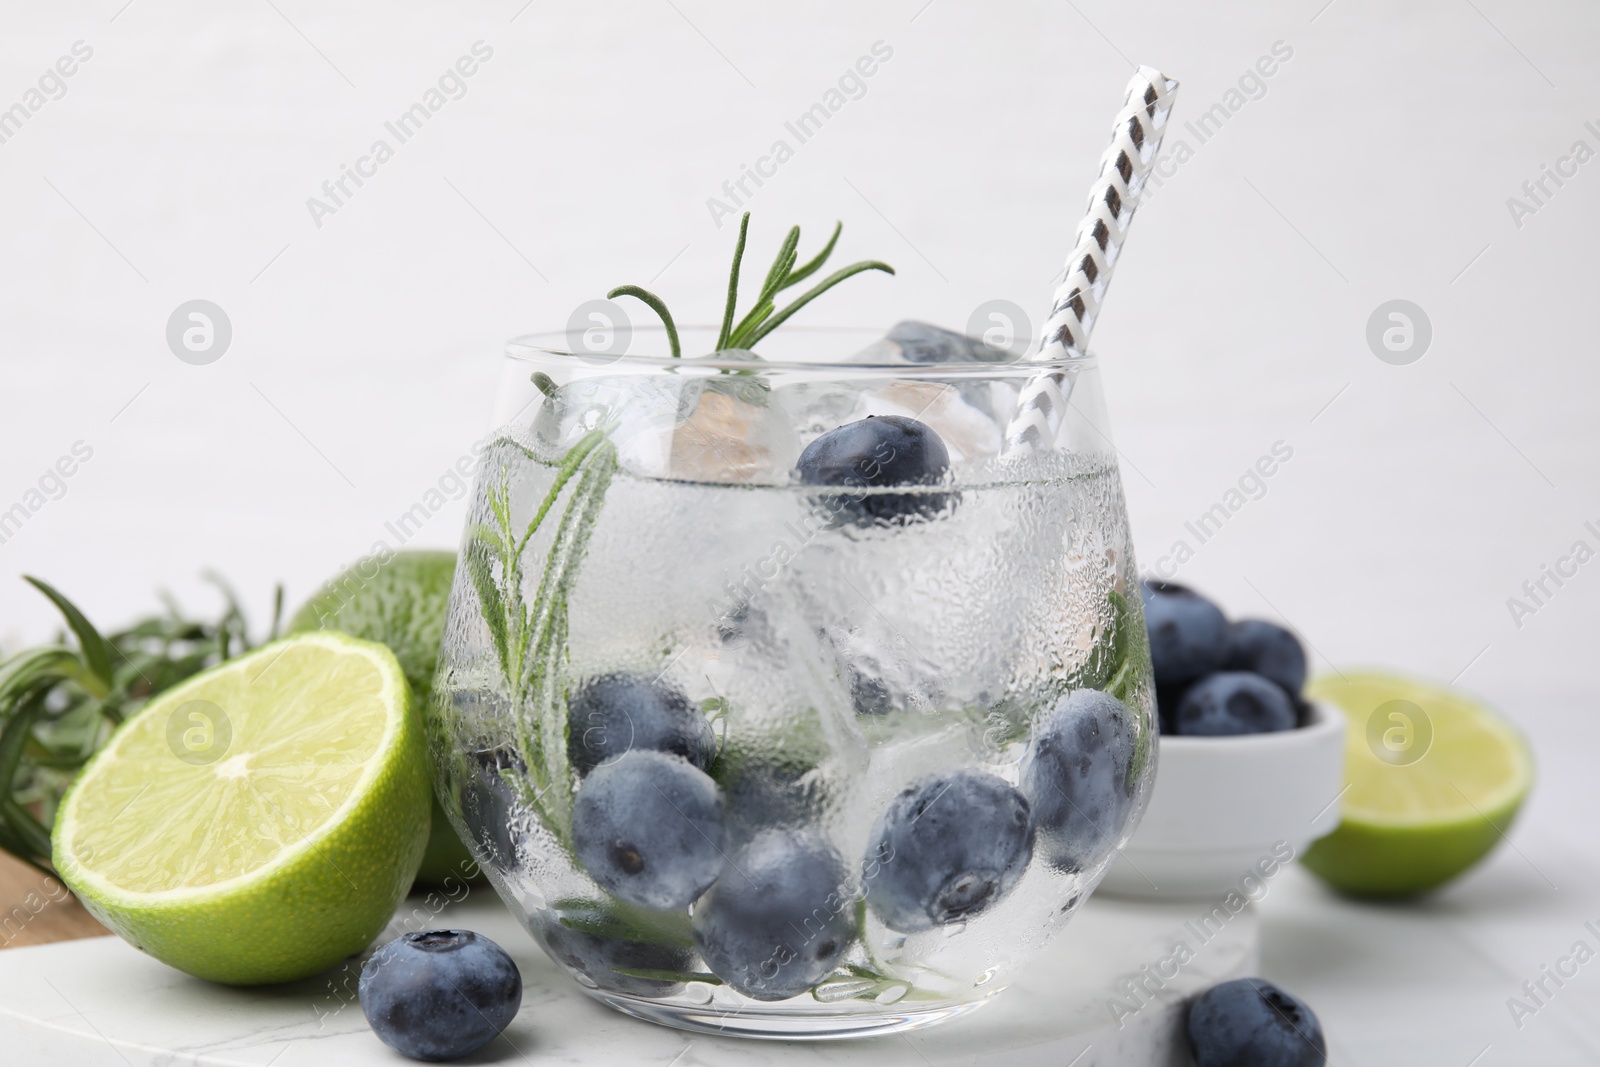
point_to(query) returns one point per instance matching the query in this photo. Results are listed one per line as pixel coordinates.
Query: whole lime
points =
(399, 602)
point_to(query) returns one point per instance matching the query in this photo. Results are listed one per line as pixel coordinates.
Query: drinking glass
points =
(762, 752)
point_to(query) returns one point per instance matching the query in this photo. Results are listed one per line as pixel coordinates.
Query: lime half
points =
(400, 602)
(259, 822)
(1434, 781)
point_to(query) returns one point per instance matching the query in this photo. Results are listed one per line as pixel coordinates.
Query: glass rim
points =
(554, 345)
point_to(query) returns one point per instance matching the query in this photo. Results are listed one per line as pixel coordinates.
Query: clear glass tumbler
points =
(767, 727)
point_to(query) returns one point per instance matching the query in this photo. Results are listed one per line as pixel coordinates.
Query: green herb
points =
(763, 317)
(530, 640)
(656, 974)
(622, 921)
(59, 704)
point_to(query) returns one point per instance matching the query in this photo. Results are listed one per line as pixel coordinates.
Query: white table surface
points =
(1377, 165)
(102, 1003)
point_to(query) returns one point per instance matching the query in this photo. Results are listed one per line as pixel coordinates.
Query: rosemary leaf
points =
(794, 277)
(655, 304)
(815, 291)
(733, 286)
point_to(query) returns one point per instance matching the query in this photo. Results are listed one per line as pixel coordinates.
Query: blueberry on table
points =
(1249, 1022)
(878, 452)
(1077, 776)
(1168, 697)
(1188, 633)
(1235, 702)
(648, 827)
(1267, 649)
(947, 849)
(597, 958)
(780, 919)
(439, 995)
(616, 713)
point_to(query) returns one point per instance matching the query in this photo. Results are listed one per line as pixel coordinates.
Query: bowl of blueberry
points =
(793, 694)
(1251, 772)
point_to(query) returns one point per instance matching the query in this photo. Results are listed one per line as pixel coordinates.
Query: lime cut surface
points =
(401, 603)
(260, 821)
(1434, 780)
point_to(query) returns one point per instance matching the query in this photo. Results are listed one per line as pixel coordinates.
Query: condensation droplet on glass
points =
(697, 993)
(984, 978)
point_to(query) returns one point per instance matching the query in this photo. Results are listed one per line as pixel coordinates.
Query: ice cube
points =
(921, 342)
(733, 433)
(971, 434)
(718, 429)
(969, 413)
(884, 674)
(630, 406)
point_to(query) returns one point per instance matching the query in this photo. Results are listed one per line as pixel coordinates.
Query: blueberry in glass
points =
(780, 919)
(878, 452)
(947, 849)
(617, 713)
(1077, 774)
(649, 827)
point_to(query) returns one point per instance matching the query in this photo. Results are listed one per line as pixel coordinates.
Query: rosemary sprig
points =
(530, 641)
(763, 316)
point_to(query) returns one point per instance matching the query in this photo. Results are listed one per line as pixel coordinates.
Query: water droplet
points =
(829, 992)
(697, 993)
(983, 979)
(892, 994)
(955, 929)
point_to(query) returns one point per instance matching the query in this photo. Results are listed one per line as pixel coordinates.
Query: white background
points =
(1377, 166)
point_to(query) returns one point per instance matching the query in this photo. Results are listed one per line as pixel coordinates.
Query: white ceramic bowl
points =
(1226, 813)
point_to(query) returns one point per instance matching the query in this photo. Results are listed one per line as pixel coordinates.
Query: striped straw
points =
(1134, 141)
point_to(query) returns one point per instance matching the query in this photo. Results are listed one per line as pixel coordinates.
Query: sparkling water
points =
(838, 661)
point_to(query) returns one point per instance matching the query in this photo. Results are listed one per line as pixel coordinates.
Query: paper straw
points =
(1135, 139)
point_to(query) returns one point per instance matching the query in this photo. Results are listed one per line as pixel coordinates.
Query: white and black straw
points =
(1135, 140)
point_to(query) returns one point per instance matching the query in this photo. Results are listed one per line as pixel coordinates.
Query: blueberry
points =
(947, 849)
(1168, 697)
(780, 919)
(490, 806)
(1077, 774)
(648, 826)
(869, 694)
(741, 624)
(1249, 1022)
(878, 451)
(882, 680)
(439, 995)
(596, 957)
(617, 713)
(769, 790)
(1188, 633)
(1235, 702)
(1269, 650)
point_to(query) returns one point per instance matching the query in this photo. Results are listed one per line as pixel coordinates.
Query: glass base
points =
(776, 1023)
